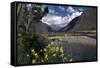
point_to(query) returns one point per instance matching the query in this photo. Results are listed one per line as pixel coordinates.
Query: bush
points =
(37, 49)
(52, 54)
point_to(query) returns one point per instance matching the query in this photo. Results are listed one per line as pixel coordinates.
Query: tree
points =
(26, 39)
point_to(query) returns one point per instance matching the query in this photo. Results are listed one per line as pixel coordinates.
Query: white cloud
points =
(62, 8)
(55, 22)
(76, 14)
(70, 10)
(51, 11)
(58, 22)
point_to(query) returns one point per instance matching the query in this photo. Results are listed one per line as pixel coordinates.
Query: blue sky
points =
(57, 10)
(63, 10)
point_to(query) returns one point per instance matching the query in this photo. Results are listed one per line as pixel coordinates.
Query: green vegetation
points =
(52, 54)
(36, 49)
(33, 48)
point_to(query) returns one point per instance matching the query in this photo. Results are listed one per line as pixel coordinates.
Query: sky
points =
(60, 16)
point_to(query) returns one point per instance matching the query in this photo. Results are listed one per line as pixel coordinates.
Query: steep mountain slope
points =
(67, 28)
(87, 20)
(39, 28)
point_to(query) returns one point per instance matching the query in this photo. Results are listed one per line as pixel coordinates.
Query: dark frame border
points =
(14, 32)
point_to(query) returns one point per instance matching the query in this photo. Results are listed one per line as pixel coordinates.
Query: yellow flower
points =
(48, 45)
(46, 57)
(45, 49)
(33, 50)
(61, 49)
(36, 55)
(53, 49)
(62, 55)
(42, 60)
(33, 61)
(54, 54)
(57, 49)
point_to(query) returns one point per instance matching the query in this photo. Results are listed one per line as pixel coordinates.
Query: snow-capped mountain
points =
(58, 22)
(70, 26)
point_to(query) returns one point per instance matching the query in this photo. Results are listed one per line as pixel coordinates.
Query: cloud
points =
(55, 22)
(62, 8)
(51, 11)
(58, 22)
(76, 14)
(70, 10)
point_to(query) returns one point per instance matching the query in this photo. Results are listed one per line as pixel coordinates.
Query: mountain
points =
(67, 27)
(87, 21)
(70, 26)
(39, 28)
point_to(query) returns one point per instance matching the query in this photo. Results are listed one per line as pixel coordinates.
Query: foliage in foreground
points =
(52, 54)
(37, 50)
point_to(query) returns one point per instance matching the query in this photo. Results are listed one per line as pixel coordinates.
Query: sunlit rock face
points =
(59, 18)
